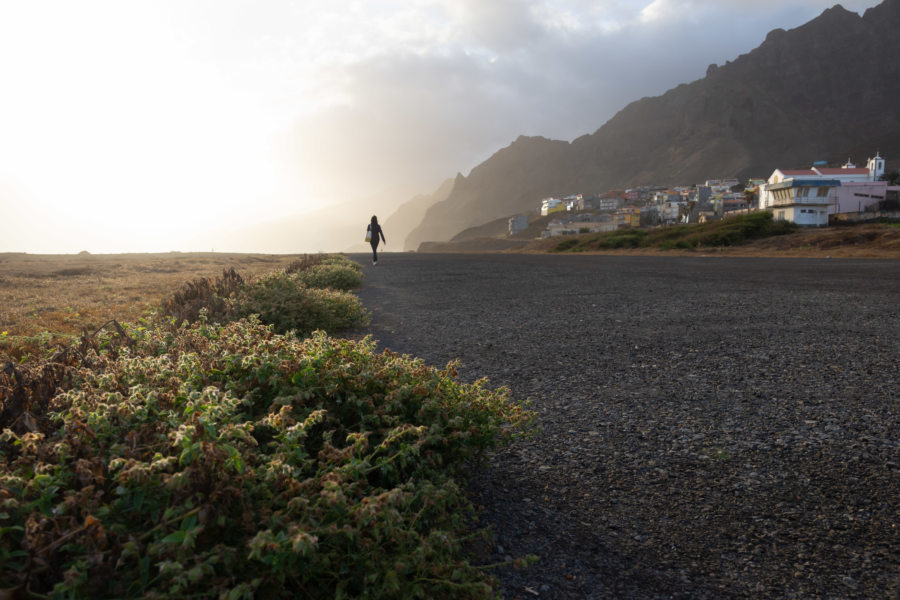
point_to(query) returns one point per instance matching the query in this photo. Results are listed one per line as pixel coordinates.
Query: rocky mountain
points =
(823, 91)
(409, 214)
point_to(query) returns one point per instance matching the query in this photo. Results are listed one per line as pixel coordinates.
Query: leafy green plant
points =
(738, 230)
(335, 272)
(227, 461)
(304, 297)
(622, 238)
(192, 458)
(287, 304)
(565, 245)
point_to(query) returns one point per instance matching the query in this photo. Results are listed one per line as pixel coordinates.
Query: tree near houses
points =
(892, 177)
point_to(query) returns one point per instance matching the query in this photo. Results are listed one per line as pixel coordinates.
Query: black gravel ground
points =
(710, 427)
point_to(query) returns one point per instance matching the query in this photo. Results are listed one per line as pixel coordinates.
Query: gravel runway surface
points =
(709, 427)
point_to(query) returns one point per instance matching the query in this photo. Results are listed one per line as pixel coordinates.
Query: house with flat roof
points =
(803, 201)
(846, 175)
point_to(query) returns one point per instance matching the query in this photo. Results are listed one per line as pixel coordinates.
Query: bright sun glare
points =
(118, 134)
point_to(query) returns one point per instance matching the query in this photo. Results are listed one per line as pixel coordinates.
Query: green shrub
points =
(738, 230)
(623, 238)
(727, 232)
(340, 259)
(781, 227)
(284, 302)
(336, 275)
(565, 245)
(288, 300)
(226, 461)
(672, 232)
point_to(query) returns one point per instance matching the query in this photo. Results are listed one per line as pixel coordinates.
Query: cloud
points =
(416, 112)
(499, 25)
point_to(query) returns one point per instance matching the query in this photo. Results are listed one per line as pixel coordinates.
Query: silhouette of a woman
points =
(375, 231)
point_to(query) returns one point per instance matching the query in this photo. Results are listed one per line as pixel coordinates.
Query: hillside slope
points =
(494, 189)
(823, 91)
(409, 214)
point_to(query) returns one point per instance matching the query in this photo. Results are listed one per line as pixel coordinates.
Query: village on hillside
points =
(811, 197)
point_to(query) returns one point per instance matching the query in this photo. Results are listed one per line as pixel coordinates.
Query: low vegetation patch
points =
(288, 304)
(192, 457)
(334, 272)
(37, 305)
(309, 294)
(727, 232)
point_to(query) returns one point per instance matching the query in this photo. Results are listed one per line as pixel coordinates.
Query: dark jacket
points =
(375, 228)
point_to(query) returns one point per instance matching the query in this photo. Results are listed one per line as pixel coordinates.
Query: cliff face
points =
(409, 214)
(494, 189)
(823, 91)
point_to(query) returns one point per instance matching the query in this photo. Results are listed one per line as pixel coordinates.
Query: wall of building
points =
(857, 197)
(804, 216)
(518, 223)
(866, 216)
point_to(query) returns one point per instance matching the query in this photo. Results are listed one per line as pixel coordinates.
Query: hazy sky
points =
(134, 126)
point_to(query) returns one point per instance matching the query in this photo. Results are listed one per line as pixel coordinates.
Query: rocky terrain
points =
(710, 427)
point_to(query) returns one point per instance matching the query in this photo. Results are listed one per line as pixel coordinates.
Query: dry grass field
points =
(49, 298)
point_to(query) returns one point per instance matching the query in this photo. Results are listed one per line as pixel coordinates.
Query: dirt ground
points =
(860, 241)
(54, 296)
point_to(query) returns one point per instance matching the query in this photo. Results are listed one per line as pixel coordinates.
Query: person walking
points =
(373, 232)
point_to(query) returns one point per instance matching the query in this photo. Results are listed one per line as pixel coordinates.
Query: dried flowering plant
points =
(215, 460)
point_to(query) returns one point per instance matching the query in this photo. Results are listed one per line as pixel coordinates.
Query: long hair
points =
(374, 220)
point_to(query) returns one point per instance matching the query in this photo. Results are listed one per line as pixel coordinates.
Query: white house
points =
(848, 174)
(670, 212)
(518, 223)
(803, 201)
(551, 205)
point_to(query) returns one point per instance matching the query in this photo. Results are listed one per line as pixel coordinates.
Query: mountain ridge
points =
(820, 91)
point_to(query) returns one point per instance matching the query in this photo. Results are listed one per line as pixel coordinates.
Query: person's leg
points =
(374, 252)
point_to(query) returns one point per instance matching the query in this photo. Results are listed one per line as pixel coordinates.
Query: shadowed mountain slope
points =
(409, 214)
(823, 91)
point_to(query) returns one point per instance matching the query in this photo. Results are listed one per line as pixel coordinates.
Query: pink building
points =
(856, 196)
